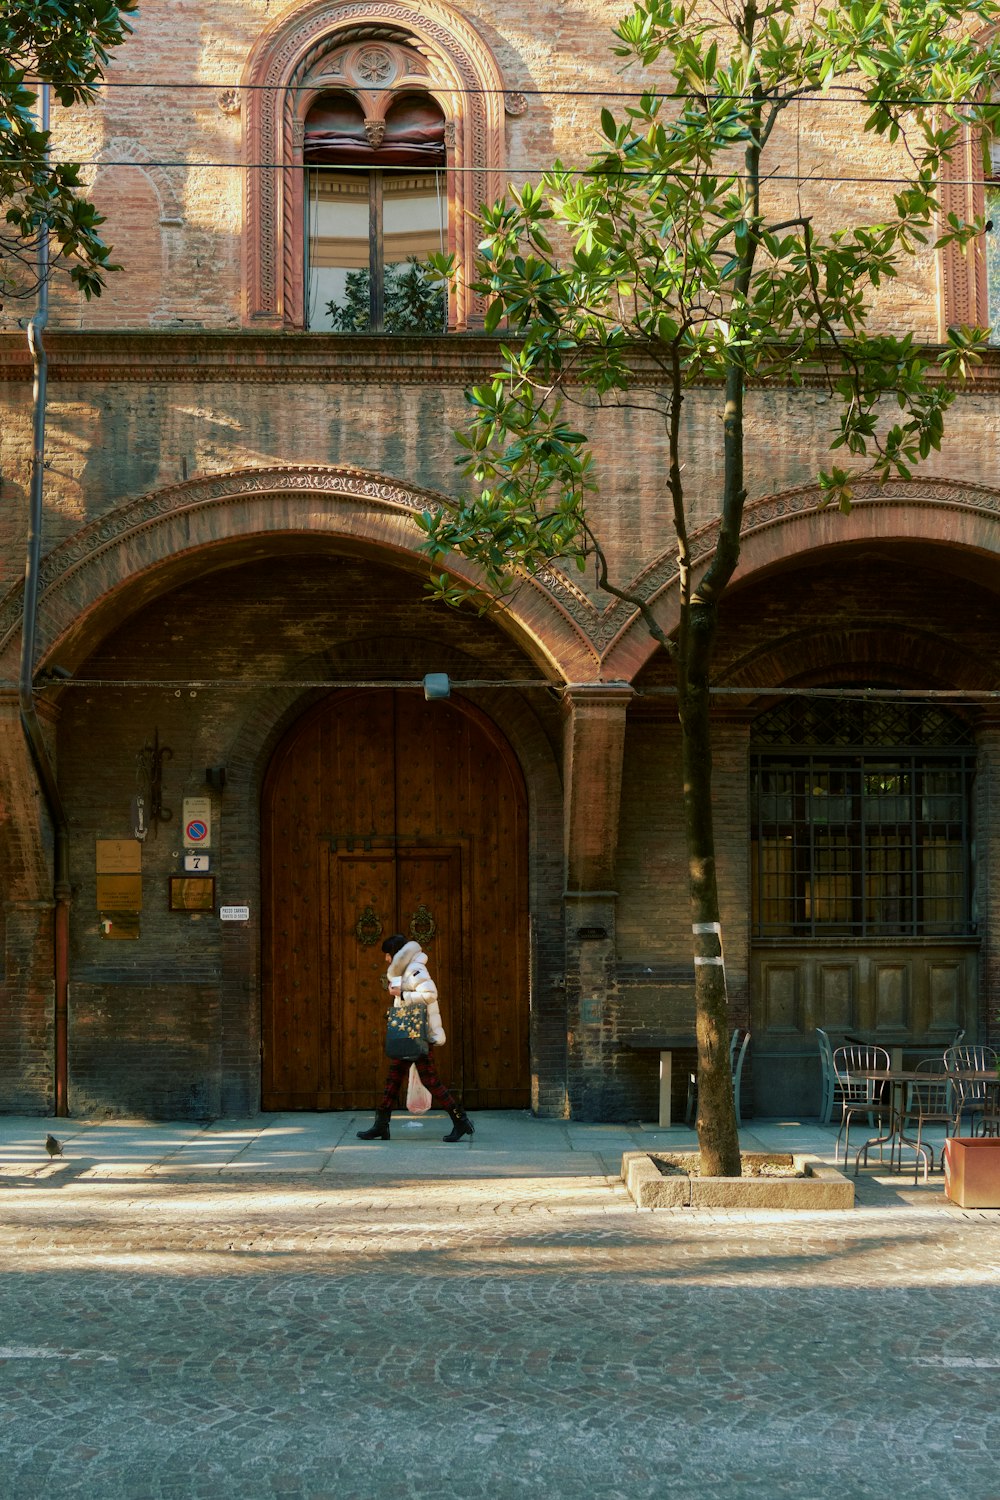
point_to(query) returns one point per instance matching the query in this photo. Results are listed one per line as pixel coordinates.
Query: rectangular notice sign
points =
(119, 892)
(234, 913)
(118, 857)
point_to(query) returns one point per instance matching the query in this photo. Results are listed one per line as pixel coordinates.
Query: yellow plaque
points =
(192, 893)
(119, 893)
(119, 857)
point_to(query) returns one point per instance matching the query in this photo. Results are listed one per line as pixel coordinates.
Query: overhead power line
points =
(846, 93)
(801, 179)
(195, 685)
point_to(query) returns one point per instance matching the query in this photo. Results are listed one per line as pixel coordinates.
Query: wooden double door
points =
(384, 813)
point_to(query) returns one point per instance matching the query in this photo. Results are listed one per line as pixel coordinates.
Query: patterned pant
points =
(399, 1068)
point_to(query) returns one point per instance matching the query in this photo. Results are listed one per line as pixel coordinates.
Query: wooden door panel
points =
(915, 996)
(362, 910)
(368, 790)
(430, 912)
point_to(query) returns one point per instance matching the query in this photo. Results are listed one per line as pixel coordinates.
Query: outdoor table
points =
(897, 1079)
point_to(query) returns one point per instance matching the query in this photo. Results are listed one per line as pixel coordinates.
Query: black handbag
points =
(406, 1031)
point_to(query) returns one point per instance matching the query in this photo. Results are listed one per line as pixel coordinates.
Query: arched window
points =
(860, 820)
(377, 196)
(373, 133)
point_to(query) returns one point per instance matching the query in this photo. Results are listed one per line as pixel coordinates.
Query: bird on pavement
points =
(52, 1146)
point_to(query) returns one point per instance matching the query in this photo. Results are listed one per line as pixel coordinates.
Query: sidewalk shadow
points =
(49, 1176)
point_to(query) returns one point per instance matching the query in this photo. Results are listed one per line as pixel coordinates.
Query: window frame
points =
(831, 856)
(298, 59)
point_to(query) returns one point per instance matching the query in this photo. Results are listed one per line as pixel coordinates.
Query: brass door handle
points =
(422, 925)
(368, 927)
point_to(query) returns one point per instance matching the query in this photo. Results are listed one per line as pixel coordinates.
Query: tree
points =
(65, 43)
(672, 260)
(415, 301)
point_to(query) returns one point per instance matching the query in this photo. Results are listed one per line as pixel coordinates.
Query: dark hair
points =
(393, 944)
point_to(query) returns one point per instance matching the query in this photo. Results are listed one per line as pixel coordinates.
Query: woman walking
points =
(410, 983)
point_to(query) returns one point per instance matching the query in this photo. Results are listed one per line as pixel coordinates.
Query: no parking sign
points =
(197, 823)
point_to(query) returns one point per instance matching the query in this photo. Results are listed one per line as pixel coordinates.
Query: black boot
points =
(380, 1130)
(460, 1125)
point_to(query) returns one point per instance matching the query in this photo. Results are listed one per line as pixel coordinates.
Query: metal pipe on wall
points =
(29, 713)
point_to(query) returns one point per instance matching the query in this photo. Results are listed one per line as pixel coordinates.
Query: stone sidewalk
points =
(270, 1308)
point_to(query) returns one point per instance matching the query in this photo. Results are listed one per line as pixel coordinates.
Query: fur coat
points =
(410, 980)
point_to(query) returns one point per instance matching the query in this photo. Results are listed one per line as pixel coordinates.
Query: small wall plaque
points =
(118, 857)
(192, 892)
(119, 892)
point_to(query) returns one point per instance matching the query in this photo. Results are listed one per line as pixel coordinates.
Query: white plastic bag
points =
(418, 1099)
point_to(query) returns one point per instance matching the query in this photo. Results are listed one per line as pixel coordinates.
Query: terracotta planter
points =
(972, 1171)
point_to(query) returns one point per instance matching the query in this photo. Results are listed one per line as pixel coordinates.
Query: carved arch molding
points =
(79, 577)
(323, 47)
(961, 190)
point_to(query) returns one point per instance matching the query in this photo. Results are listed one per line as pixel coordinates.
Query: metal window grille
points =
(861, 822)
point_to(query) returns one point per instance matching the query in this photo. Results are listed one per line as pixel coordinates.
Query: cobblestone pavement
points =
(495, 1319)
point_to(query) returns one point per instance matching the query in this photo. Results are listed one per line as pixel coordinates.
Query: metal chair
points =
(859, 1096)
(935, 1101)
(738, 1044)
(738, 1050)
(976, 1095)
(830, 1096)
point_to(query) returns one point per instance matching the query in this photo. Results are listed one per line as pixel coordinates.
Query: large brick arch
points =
(817, 656)
(108, 570)
(794, 527)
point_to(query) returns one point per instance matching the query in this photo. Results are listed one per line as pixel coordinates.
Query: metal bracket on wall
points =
(149, 780)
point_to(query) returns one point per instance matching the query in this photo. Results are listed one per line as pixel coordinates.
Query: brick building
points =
(231, 578)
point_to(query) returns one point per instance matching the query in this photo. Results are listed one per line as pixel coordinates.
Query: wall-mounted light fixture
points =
(437, 685)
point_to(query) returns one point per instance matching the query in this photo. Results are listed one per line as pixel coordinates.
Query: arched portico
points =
(787, 530)
(118, 563)
(222, 587)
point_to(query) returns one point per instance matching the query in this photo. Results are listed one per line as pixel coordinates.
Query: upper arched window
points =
(377, 207)
(373, 134)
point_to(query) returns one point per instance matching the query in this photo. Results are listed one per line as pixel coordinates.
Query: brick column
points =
(26, 934)
(593, 747)
(986, 819)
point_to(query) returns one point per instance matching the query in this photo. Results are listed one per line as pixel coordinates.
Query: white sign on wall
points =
(234, 913)
(197, 822)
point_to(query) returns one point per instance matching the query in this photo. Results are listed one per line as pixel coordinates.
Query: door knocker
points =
(368, 927)
(422, 927)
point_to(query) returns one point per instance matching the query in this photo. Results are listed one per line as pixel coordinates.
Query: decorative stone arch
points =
(790, 526)
(145, 221)
(124, 148)
(156, 541)
(303, 55)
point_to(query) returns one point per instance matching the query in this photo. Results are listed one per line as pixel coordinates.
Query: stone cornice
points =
(268, 358)
(265, 357)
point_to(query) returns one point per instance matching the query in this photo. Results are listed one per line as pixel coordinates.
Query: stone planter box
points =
(972, 1171)
(820, 1187)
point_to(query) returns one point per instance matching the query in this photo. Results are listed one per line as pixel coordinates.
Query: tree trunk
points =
(717, 1133)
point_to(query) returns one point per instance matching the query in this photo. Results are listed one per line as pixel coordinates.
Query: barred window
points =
(860, 821)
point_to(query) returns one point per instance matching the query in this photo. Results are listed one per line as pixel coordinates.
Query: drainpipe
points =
(29, 714)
